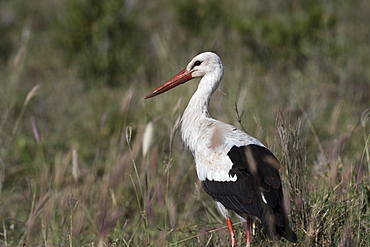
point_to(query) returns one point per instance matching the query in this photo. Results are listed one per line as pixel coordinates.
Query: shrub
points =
(270, 36)
(101, 38)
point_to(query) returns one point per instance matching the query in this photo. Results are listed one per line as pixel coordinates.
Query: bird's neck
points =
(197, 111)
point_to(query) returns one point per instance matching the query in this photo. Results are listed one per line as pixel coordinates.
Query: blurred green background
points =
(86, 161)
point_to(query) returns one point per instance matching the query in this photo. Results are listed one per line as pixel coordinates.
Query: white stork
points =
(237, 170)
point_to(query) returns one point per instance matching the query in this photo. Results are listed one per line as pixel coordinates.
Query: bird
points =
(234, 168)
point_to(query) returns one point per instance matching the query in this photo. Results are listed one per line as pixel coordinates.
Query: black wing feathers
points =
(257, 161)
(257, 190)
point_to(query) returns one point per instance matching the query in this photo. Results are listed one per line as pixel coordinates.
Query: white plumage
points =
(208, 139)
(237, 170)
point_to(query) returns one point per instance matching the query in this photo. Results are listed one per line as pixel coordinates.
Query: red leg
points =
(248, 231)
(232, 235)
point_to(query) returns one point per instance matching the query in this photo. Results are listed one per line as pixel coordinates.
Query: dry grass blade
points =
(312, 128)
(30, 95)
(26, 33)
(125, 105)
(147, 138)
(75, 168)
(34, 213)
(365, 117)
(117, 171)
(35, 130)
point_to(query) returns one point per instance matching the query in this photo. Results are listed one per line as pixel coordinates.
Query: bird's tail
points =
(289, 234)
(277, 226)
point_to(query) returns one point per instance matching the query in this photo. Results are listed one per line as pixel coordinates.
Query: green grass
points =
(73, 170)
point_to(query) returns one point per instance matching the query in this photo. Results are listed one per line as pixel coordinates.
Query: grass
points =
(86, 162)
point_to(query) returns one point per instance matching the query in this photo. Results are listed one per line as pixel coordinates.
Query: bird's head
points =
(201, 65)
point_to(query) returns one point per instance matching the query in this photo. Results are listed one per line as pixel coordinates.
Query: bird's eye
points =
(197, 63)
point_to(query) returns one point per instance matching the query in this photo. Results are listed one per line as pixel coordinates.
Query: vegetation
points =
(86, 161)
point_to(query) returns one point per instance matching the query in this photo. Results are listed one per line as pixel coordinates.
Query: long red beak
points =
(178, 79)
